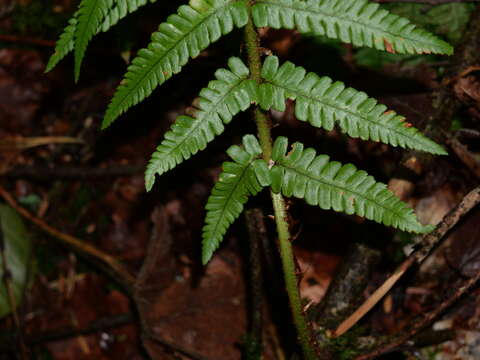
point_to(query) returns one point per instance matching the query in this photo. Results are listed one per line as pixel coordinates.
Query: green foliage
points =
(353, 21)
(377, 59)
(323, 103)
(348, 346)
(64, 44)
(232, 92)
(18, 248)
(90, 15)
(343, 188)
(110, 17)
(119, 10)
(449, 20)
(239, 179)
(182, 36)
(318, 100)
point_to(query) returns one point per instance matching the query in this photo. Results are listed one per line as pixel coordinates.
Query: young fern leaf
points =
(118, 11)
(322, 103)
(245, 176)
(343, 188)
(90, 16)
(353, 21)
(225, 97)
(182, 36)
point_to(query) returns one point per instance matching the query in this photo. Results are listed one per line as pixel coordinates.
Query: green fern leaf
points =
(182, 36)
(64, 44)
(247, 175)
(118, 11)
(225, 97)
(353, 21)
(343, 188)
(322, 103)
(90, 16)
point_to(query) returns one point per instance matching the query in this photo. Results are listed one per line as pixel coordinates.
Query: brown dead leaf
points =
(388, 46)
(403, 189)
(467, 88)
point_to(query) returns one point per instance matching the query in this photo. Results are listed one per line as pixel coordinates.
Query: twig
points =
(425, 321)
(429, 242)
(465, 156)
(26, 40)
(20, 142)
(7, 278)
(112, 265)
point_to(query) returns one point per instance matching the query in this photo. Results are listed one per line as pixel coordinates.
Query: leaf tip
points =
(50, 66)
(206, 255)
(107, 120)
(149, 181)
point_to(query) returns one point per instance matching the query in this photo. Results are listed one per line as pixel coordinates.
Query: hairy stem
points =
(286, 251)
(288, 264)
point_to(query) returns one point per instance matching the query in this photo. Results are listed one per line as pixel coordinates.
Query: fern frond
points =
(182, 36)
(90, 16)
(343, 188)
(322, 103)
(353, 21)
(245, 176)
(225, 97)
(66, 42)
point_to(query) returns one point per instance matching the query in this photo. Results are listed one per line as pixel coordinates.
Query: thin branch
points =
(465, 156)
(112, 265)
(425, 321)
(26, 40)
(429, 242)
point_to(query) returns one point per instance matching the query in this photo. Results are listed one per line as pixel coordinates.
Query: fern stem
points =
(288, 264)
(255, 65)
(286, 251)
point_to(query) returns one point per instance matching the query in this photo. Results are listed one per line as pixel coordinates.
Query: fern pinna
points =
(232, 92)
(247, 175)
(320, 101)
